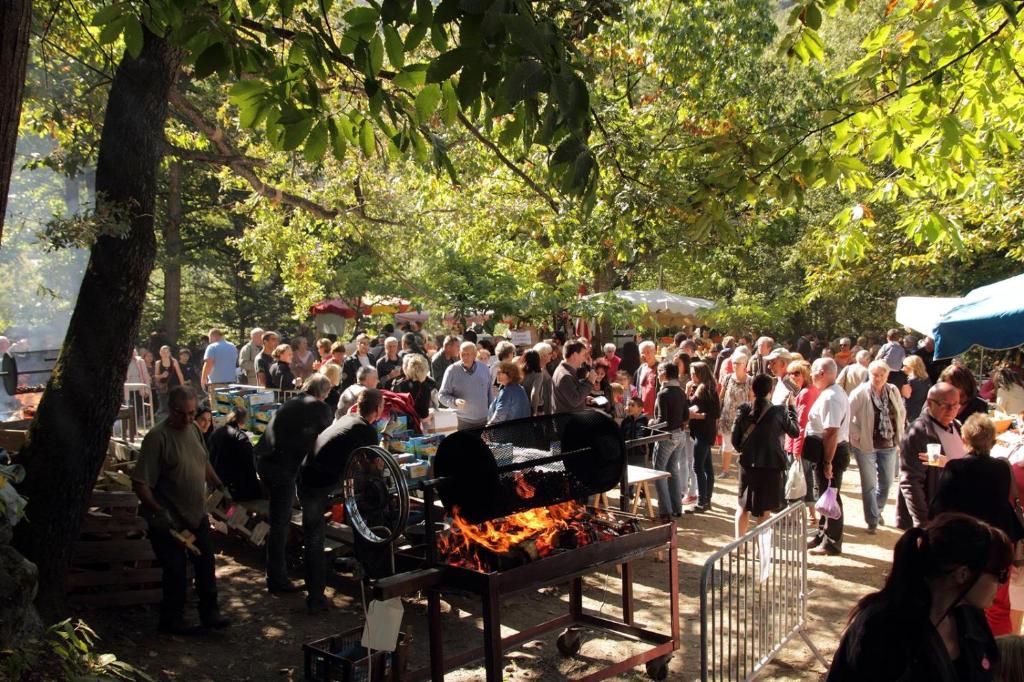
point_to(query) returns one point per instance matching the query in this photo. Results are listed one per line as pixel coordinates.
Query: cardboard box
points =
(444, 420)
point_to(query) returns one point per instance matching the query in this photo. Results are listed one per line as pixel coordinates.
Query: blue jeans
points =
(667, 454)
(876, 474)
(704, 469)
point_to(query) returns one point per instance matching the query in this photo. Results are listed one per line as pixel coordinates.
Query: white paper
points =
(764, 542)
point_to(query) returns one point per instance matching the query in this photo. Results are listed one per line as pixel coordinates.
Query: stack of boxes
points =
(258, 403)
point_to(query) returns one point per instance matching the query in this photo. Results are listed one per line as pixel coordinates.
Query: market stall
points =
(991, 317)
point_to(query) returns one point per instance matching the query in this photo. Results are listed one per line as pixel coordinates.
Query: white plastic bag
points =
(796, 483)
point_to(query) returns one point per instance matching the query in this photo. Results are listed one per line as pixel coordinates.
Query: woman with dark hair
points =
(602, 388)
(231, 456)
(536, 383)
(1009, 390)
(757, 436)
(630, 357)
(927, 623)
(204, 420)
(281, 377)
(982, 486)
(967, 385)
(705, 409)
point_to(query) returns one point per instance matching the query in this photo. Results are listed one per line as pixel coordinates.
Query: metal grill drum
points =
(510, 467)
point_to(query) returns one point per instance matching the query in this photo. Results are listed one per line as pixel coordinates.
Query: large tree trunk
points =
(172, 254)
(69, 436)
(15, 21)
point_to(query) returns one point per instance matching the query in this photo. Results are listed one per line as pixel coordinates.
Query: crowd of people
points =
(765, 406)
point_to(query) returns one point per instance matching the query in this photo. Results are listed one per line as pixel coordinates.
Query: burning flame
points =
(538, 528)
(523, 489)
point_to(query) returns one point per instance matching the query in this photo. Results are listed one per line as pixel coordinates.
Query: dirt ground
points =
(265, 642)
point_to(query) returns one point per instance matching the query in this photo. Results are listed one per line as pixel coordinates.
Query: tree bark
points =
(68, 439)
(172, 254)
(15, 22)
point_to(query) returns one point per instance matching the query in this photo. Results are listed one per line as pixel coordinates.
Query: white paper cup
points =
(934, 452)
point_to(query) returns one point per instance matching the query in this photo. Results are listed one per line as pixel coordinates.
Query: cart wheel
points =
(658, 668)
(570, 642)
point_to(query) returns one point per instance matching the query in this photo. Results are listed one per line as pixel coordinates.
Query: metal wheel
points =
(376, 495)
(657, 669)
(570, 642)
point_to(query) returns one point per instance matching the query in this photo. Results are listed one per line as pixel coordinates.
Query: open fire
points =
(527, 536)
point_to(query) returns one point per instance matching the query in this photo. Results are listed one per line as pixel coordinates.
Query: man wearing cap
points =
(776, 363)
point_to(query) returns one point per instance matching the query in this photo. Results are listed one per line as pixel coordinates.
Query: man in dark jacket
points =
(918, 481)
(570, 392)
(671, 407)
(289, 437)
(321, 475)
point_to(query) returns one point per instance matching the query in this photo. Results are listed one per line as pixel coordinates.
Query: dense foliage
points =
(802, 164)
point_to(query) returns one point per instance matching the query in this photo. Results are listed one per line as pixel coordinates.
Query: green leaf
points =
(252, 112)
(108, 13)
(450, 106)
(366, 141)
(394, 46)
(338, 144)
(411, 77)
(849, 163)
(111, 31)
(879, 149)
(876, 38)
(295, 133)
(812, 16)
(424, 12)
(438, 37)
(245, 91)
(376, 54)
(213, 58)
(361, 15)
(524, 33)
(426, 102)
(415, 36)
(528, 78)
(446, 65)
(133, 35)
(316, 143)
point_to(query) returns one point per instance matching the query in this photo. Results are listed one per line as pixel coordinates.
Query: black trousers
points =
(830, 531)
(173, 557)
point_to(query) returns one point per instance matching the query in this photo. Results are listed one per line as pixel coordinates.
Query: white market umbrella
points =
(666, 308)
(922, 313)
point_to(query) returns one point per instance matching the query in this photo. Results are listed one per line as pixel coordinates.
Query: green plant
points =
(65, 651)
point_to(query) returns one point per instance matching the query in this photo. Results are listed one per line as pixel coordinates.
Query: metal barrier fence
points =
(753, 598)
(140, 398)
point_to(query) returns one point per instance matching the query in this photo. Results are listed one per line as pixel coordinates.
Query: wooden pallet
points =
(112, 562)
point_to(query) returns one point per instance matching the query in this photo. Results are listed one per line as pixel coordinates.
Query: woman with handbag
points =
(983, 487)
(757, 436)
(799, 372)
(705, 409)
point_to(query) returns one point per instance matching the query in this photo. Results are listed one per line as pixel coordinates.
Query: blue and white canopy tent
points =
(991, 317)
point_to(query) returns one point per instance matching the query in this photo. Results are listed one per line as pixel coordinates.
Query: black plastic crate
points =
(341, 658)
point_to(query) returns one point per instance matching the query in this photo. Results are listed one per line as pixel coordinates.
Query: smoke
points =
(38, 287)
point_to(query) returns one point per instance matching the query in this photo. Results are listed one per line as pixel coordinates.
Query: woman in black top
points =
(231, 456)
(630, 357)
(602, 388)
(281, 377)
(757, 436)
(416, 382)
(166, 375)
(188, 370)
(705, 410)
(970, 402)
(915, 391)
(927, 623)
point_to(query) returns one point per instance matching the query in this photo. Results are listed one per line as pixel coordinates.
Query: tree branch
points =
(215, 159)
(928, 76)
(508, 162)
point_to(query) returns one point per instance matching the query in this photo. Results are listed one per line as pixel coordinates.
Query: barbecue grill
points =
(540, 463)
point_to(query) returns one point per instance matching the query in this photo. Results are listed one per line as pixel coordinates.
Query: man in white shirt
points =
(827, 446)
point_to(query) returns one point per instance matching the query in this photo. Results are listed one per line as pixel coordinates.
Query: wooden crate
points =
(112, 562)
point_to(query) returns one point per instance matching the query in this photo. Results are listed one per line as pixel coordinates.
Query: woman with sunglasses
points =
(983, 487)
(927, 623)
(799, 372)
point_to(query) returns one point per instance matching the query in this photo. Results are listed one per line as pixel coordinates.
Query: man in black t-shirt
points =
(321, 475)
(289, 438)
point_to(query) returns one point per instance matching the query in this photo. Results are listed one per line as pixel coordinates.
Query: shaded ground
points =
(266, 640)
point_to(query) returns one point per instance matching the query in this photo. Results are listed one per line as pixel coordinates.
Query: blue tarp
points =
(991, 317)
